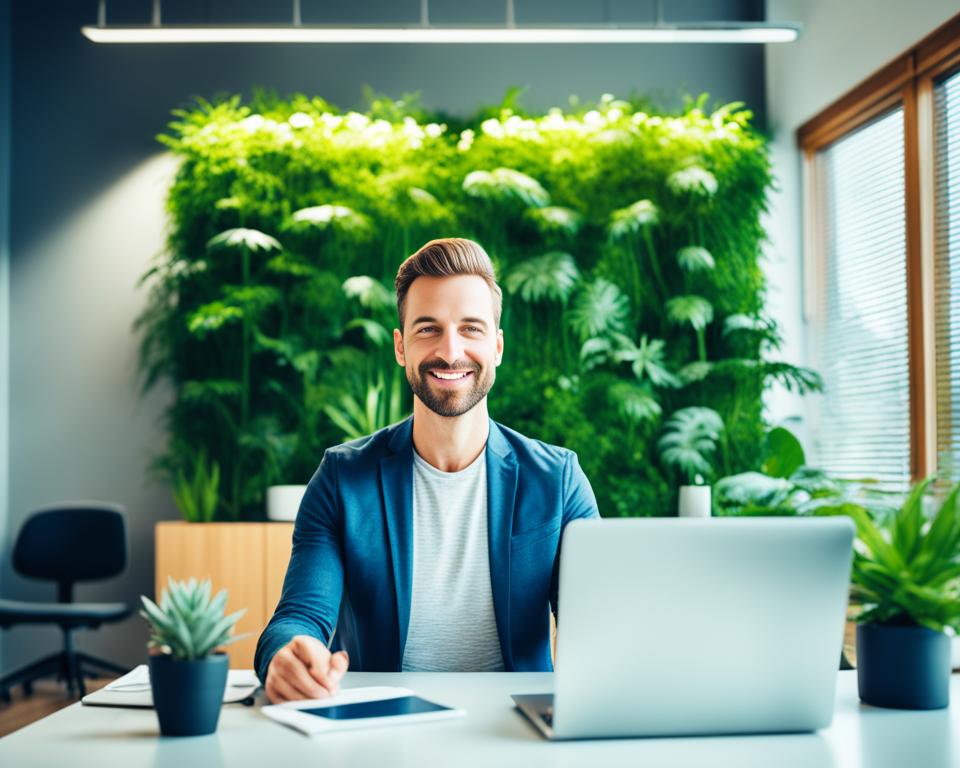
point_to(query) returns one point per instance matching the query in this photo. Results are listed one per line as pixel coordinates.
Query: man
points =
(432, 544)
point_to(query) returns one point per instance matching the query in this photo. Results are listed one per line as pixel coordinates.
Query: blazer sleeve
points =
(313, 586)
(578, 502)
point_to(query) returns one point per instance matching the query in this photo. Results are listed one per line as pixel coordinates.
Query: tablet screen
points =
(401, 705)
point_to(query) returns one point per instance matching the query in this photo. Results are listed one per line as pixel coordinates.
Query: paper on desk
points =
(133, 689)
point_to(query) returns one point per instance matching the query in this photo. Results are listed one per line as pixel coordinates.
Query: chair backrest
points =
(72, 541)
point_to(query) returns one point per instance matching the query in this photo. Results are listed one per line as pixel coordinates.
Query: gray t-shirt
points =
(452, 623)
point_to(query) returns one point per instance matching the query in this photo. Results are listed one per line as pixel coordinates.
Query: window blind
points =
(947, 275)
(862, 420)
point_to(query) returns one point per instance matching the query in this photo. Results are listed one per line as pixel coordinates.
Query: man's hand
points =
(304, 669)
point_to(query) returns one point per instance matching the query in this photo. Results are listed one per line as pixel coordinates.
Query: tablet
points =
(359, 708)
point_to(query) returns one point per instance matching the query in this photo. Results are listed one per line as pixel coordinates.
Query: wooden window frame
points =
(909, 81)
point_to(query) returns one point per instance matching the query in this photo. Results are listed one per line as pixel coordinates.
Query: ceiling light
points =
(660, 32)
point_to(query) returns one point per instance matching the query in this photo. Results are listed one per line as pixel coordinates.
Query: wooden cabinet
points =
(249, 560)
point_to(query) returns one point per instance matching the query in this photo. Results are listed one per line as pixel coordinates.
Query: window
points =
(947, 274)
(882, 263)
(862, 424)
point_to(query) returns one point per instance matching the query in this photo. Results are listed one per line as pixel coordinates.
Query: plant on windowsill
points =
(906, 580)
(188, 675)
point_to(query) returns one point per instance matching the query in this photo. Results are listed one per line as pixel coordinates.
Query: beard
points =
(450, 402)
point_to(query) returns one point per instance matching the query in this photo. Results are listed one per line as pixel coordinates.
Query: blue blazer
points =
(351, 566)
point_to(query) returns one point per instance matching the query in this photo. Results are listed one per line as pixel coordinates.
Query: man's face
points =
(449, 346)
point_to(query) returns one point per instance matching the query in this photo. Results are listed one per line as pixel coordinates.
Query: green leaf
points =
(250, 239)
(695, 258)
(550, 277)
(784, 454)
(632, 219)
(506, 185)
(694, 310)
(600, 308)
(689, 439)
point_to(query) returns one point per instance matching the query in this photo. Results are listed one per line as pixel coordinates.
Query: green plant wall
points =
(627, 243)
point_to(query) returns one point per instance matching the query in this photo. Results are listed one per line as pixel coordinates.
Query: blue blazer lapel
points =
(501, 496)
(396, 481)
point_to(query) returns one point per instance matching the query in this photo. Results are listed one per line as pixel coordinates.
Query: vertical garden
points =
(627, 244)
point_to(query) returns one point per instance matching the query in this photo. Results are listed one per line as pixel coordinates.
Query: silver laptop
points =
(696, 627)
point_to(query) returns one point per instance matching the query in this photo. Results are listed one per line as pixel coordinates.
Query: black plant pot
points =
(188, 694)
(903, 667)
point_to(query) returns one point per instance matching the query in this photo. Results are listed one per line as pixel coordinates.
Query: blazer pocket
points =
(533, 535)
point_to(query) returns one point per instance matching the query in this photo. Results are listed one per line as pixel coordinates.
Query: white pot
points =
(283, 501)
(694, 501)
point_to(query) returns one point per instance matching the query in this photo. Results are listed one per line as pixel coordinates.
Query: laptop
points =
(677, 626)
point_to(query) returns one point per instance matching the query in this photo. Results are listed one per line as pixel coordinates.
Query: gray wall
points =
(838, 49)
(88, 184)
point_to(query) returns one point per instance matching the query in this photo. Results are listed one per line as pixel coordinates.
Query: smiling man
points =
(432, 544)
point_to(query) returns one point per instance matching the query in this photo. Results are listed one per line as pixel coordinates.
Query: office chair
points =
(67, 543)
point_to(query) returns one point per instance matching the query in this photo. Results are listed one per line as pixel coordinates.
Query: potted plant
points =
(688, 443)
(187, 673)
(197, 496)
(906, 579)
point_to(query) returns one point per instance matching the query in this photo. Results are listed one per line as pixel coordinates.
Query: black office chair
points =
(67, 543)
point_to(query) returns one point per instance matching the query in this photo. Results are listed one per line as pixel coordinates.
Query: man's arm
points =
(578, 502)
(313, 586)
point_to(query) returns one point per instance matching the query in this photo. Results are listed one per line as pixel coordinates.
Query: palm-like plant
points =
(631, 225)
(635, 402)
(646, 359)
(692, 180)
(689, 440)
(328, 215)
(600, 308)
(554, 219)
(695, 311)
(549, 277)
(695, 258)
(506, 185)
(369, 292)
(247, 241)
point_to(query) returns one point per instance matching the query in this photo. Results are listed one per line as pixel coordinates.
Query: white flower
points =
(434, 130)
(553, 121)
(466, 140)
(253, 123)
(357, 122)
(615, 114)
(300, 120)
(492, 128)
(594, 119)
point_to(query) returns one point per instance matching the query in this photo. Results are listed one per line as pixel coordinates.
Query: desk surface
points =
(492, 735)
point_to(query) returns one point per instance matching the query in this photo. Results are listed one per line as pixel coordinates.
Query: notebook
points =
(133, 689)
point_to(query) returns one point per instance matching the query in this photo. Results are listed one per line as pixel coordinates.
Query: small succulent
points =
(188, 624)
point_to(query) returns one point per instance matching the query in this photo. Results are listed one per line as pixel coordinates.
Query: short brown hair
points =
(443, 258)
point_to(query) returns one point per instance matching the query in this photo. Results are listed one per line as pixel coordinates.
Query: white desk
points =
(492, 735)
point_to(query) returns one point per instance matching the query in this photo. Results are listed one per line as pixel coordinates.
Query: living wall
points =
(627, 243)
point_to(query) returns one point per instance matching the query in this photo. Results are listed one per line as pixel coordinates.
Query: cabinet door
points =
(231, 555)
(279, 544)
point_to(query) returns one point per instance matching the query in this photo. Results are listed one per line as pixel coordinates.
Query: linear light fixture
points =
(659, 32)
